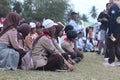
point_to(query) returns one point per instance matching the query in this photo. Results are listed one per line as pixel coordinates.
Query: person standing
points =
(73, 21)
(113, 39)
(103, 18)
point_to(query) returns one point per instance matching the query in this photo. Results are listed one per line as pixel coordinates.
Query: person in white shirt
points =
(79, 41)
(73, 21)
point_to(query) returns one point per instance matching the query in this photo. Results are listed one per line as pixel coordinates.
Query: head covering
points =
(58, 29)
(1, 25)
(33, 25)
(84, 38)
(60, 23)
(48, 23)
(12, 20)
(71, 34)
(24, 29)
(68, 27)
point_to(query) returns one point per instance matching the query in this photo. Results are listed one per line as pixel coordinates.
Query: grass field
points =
(90, 68)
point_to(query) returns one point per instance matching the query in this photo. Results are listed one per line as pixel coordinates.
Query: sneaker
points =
(106, 59)
(77, 59)
(108, 64)
(98, 52)
(61, 70)
(117, 63)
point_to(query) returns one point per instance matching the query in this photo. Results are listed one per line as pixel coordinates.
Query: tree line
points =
(37, 10)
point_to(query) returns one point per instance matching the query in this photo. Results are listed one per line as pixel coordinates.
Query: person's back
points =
(9, 45)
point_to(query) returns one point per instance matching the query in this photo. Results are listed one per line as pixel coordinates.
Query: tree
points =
(4, 8)
(93, 12)
(17, 7)
(39, 9)
(84, 18)
(27, 12)
(67, 15)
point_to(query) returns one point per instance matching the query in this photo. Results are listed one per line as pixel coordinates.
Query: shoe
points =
(117, 63)
(106, 59)
(77, 59)
(98, 52)
(62, 70)
(108, 64)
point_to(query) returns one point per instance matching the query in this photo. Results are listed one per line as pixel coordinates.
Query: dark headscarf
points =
(58, 29)
(24, 29)
(12, 20)
(68, 27)
(71, 34)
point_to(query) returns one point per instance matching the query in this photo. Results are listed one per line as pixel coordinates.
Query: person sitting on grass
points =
(69, 45)
(44, 54)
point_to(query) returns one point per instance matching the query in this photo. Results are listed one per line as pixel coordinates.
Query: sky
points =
(84, 6)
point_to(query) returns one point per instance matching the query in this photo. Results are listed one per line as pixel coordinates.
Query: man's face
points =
(75, 17)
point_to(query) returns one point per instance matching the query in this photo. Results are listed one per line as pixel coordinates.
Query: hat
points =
(1, 25)
(33, 25)
(84, 38)
(61, 24)
(48, 23)
(71, 34)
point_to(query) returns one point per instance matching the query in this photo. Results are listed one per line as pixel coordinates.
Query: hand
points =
(70, 67)
(105, 19)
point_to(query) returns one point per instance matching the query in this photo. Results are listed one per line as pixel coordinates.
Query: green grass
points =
(90, 68)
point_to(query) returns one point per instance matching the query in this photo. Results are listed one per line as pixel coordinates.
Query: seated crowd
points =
(48, 46)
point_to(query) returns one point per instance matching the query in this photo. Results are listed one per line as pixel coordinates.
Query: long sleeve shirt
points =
(10, 39)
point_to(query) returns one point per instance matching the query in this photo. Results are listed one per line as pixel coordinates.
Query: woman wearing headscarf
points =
(23, 31)
(9, 57)
(57, 42)
(30, 38)
(44, 54)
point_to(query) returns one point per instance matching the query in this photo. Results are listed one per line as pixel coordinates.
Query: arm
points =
(48, 45)
(28, 42)
(13, 40)
(57, 46)
(48, 42)
(66, 46)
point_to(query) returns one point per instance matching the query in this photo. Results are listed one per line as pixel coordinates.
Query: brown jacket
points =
(43, 48)
(10, 38)
(67, 46)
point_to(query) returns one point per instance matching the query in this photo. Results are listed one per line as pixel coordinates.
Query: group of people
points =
(41, 46)
(53, 46)
(110, 32)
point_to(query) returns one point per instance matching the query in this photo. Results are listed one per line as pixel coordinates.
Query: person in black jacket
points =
(113, 40)
(103, 18)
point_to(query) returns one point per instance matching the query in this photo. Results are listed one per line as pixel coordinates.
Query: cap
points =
(1, 25)
(61, 24)
(84, 38)
(33, 25)
(48, 23)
